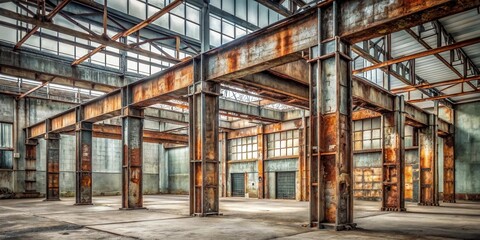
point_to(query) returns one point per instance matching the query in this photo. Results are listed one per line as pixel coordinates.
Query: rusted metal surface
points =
(357, 23)
(364, 114)
(53, 168)
(393, 158)
(283, 126)
(302, 162)
(37, 130)
(371, 96)
(225, 174)
(444, 128)
(428, 194)
(65, 120)
(103, 107)
(203, 143)
(408, 182)
(132, 158)
(260, 162)
(331, 170)
(415, 116)
(30, 165)
(83, 163)
(244, 132)
(449, 169)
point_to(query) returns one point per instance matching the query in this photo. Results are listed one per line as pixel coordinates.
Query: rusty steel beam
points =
(393, 156)
(330, 144)
(83, 160)
(133, 29)
(115, 132)
(31, 166)
(261, 161)
(132, 156)
(48, 18)
(52, 141)
(436, 84)
(449, 169)
(425, 53)
(224, 140)
(444, 96)
(428, 195)
(203, 143)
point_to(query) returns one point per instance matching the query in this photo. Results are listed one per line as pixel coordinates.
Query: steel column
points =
(31, 166)
(225, 175)
(331, 195)
(84, 137)
(302, 160)
(53, 169)
(260, 162)
(132, 157)
(203, 142)
(428, 163)
(393, 198)
(449, 169)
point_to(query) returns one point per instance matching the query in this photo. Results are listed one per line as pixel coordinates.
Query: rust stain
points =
(232, 60)
(284, 42)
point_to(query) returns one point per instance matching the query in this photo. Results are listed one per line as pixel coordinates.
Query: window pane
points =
(6, 135)
(6, 159)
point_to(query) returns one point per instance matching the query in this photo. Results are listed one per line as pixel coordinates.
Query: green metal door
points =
(238, 185)
(285, 185)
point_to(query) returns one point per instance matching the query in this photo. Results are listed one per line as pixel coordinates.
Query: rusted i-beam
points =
(83, 163)
(31, 165)
(428, 194)
(52, 141)
(449, 169)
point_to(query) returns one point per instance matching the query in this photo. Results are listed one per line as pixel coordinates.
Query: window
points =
(243, 148)
(6, 146)
(410, 140)
(282, 144)
(367, 134)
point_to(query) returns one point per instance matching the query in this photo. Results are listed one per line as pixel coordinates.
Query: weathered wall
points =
(178, 170)
(106, 165)
(283, 165)
(467, 151)
(251, 170)
(367, 174)
(411, 174)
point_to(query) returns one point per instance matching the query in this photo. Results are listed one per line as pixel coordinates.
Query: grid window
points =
(243, 148)
(367, 134)
(6, 146)
(282, 144)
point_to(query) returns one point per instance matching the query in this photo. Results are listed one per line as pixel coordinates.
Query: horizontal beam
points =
(436, 84)
(82, 35)
(444, 96)
(419, 55)
(276, 45)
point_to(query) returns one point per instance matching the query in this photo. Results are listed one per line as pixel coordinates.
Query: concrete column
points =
(449, 169)
(393, 198)
(31, 167)
(428, 194)
(83, 166)
(203, 143)
(53, 168)
(331, 195)
(132, 141)
(260, 162)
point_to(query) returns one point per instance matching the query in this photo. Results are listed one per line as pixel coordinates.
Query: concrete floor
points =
(167, 218)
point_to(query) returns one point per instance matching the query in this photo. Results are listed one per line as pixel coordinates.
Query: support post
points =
(83, 183)
(331, 196)
(224, 163)
(132, 157)
(428, 163)
(449, 169)
(31, 166)
(302, 160)
(393, 198)
(260, 162)
(53, 168)
(203, 143)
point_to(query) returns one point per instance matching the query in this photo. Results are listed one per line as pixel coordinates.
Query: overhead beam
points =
(133, 29)
(436, 84)
(48, 18)
(276, 6)
(460, 44)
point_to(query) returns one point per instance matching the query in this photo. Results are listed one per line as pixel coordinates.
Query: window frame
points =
(8, 149)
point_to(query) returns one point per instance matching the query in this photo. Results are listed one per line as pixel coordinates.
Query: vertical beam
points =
(225, 176)
(393, 198)
(260, 162)
(84, 137)
(302, 160)
(31, 165)
(331, 197)
(53, 169)
(205, 26)
(449, 169)
(132, 157)
(428, 161)
(203, 142)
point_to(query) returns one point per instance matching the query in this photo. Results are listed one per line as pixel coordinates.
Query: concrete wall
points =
(467, 151)
(178, 170)
(367, 173)
(106, 164)
(282, 165)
